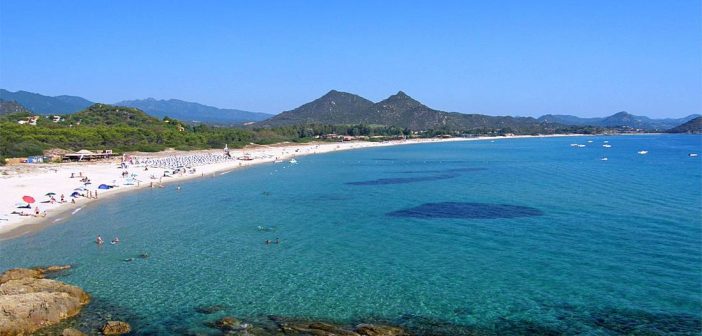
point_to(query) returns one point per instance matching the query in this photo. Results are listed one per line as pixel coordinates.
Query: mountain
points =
(399, 110)
(335, 107)
(8, 106)
(693, 126)
(619, 119)
(568, 119)
(46, 105)
(188, 111)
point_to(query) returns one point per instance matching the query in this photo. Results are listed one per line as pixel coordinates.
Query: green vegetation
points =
(102, 126)
(693, 126)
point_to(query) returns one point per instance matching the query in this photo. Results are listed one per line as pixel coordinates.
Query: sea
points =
(505, 237)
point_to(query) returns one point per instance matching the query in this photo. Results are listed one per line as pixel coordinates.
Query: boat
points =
(573, 145)
(604, 159)
(643, 152)
(607, 146)
(293, 161)
(581, 146)
(589, 141)
(692, 155)
(606, 141)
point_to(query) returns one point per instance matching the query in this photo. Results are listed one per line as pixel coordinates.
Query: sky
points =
(526, 58)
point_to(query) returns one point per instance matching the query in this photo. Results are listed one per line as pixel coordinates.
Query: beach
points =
(538, 230)
(38, 180)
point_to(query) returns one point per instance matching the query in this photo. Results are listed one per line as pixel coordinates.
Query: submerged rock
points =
(209, 309)
(72, 332)
(227, 323)
(116, 328)
(379, 330)
(29, 302)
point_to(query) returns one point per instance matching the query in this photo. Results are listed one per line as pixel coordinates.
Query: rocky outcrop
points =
(116, 328)
(30, 302)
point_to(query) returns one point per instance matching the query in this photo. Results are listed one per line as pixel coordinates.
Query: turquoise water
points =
(512, 236)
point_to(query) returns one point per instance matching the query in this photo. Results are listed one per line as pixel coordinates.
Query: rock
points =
(36, 273)
(72, 332)
(116, 328)
(227, 323)
(52, 269)
(379, 330)
(29, 302)
(314, 328)
(19, 273)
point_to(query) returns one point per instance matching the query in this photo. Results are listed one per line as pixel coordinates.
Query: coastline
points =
(39, 180)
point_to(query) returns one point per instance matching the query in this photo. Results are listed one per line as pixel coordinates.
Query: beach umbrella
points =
(79, 189)
(28, 199)
(50, 194)
(75, 194)
(103, 186)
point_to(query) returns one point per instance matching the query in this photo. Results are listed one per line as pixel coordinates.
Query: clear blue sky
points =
(588, 58)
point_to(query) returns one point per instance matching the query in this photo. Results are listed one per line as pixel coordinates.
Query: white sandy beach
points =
(36, 180)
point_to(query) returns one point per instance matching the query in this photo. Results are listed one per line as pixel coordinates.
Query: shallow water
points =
(530, 236)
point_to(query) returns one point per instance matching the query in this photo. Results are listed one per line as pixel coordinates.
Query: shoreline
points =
(38, 180)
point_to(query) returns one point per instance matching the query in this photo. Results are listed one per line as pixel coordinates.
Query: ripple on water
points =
(467, 210)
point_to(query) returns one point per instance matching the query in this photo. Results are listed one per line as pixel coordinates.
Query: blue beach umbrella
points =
(75, 194)
(103, 186)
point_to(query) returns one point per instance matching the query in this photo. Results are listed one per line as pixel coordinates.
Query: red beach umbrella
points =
(28, 199)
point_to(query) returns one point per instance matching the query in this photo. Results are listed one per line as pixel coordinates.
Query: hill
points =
(108, 115)
(693, 126)
(193, 112)
(620, 119)
(8, 107)
(398, 110)
(46, 105)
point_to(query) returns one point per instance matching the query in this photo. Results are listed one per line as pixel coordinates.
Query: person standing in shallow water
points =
(99, 240)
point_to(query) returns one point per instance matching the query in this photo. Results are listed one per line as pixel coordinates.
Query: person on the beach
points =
(73, 201)
(95, 194)
(36, 211)
(63, 199)
(99, 240)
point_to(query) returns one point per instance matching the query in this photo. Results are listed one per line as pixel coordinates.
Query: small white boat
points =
(643, 152)
(581, 146)
(604, 159)
(606, 141)
(589, 141)
(573, 145)
(607, 146)
(293, 161)
(692, 155)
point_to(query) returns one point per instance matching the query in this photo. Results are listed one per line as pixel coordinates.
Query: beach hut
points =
(86, 155)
